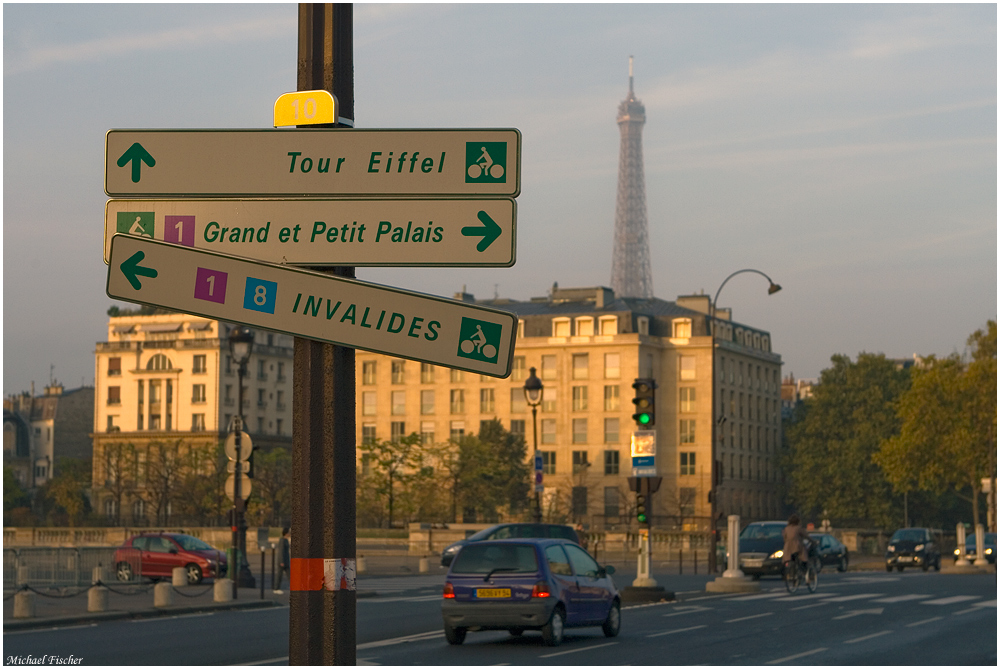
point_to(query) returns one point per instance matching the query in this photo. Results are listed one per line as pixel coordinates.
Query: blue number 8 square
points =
(260, 295)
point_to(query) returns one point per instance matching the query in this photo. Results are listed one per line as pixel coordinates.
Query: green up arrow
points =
(130, 268)
(137, 155)
(489, 231)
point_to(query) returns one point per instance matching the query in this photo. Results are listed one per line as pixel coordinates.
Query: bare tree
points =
(119, 475)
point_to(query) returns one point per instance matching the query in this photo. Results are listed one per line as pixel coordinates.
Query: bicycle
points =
(794, 574)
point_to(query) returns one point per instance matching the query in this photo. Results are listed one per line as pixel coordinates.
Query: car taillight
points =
(449, 591)
(541, 589)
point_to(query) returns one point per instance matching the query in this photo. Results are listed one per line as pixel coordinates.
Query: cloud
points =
(38, 57)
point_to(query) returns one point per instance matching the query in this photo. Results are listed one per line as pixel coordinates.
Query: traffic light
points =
(640, 508)
(645, 402)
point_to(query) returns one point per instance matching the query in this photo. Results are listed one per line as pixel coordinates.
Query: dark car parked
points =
(528, 584)
(989, 547)
(511, 531)
(761, 547)
(154, 555)
(913, 547)
(830, 551)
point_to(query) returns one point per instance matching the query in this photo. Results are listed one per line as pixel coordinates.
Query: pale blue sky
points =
(848, 151)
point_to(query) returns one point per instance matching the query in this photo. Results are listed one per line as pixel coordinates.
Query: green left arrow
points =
(137, 155)
(489, 231)
(130, 268)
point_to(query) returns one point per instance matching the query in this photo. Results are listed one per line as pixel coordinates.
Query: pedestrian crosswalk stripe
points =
(992, 603)
(849, 598)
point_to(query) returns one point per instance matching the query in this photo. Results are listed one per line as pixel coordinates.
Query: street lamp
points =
(533, 396)
(772, 288)
(240, 347)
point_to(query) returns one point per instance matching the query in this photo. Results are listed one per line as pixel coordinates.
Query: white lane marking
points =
(684, 629)
(951, 600)
(992, 603)
(769, 595)
(870, 579)
(808, 606)
(860, 612)
(902, 598)
(424, 636)
(688, 609)
(642, 606)
(795, 657)
(259, 662)
(929, 620)
(49, 629)
(870, 636)
(962, 613)
(759, 615)
(790, 599)
(577, 650)
(383, 600)
(263, 608)
(850, 598)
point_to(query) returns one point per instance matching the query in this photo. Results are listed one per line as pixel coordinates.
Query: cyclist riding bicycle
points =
(797, 541)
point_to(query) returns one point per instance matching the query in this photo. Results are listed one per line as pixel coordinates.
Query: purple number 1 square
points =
(179, 230)
(210, 285)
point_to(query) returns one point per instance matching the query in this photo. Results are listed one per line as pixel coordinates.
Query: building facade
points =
(41, 431)
(588, 347)
(168, 379)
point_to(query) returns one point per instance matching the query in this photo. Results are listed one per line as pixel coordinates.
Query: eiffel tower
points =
(631, 275)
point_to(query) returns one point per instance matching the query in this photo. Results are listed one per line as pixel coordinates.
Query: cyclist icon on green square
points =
(479, 340)
(136, 223)
(486, 162)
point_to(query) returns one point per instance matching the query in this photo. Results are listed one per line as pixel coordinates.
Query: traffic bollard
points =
(97, 599)
(223, 590)
(24, 604)
(163, 595)
(424, 566)
(362, 565)
(179, 577)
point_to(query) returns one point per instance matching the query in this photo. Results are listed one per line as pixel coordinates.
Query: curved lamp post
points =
(240, 347)
(533, 396)
(772, 288)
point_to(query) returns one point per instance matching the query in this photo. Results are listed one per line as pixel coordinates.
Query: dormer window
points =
(682, 328)
(584, 326)
(609, 325)
(642, 322)
(560, 327)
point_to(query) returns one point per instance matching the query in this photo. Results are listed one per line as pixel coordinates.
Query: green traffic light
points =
(644, 418)
(642, 518)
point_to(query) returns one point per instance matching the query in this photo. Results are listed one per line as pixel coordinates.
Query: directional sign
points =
(644, 453)
(403, 233)
(308, 162)
(312, 305)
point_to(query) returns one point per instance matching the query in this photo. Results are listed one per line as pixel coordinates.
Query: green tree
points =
(392, 465)
(14, 495)
(948, 434)
(489, 473)
(119, 468)
(272, 486)
(65, 495)
(829, 464)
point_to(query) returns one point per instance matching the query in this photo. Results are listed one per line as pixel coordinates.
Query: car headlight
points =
(451, 549)
(957, 551)
(777, 554)
(892, 549)
(989, 551)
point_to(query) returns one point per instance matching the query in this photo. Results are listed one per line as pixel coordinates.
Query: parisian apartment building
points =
(169, 378)
(588, 347)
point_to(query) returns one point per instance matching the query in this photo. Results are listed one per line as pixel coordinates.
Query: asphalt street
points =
(854, 619)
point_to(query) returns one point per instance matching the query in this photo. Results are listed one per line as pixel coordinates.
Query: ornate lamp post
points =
(533, 396)
(714, 475)
(240, 347)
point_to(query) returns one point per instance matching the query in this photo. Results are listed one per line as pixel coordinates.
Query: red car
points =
(155, 554)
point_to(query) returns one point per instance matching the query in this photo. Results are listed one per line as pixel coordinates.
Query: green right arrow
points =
(489, 231)
(130, 268)
(137, 155)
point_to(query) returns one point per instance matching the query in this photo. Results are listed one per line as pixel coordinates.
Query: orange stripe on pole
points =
(306, 574)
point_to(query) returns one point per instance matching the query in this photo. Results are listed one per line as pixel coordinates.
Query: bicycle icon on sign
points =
(485, 165)
(477, 343)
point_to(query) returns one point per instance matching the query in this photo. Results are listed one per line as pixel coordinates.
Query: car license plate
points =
(753, 563)
(905, 558)
(492, 593)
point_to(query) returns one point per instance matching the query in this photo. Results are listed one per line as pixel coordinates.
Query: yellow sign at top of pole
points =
(305, 108)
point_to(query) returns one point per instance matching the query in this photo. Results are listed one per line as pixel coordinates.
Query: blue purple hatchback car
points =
(528, 584)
